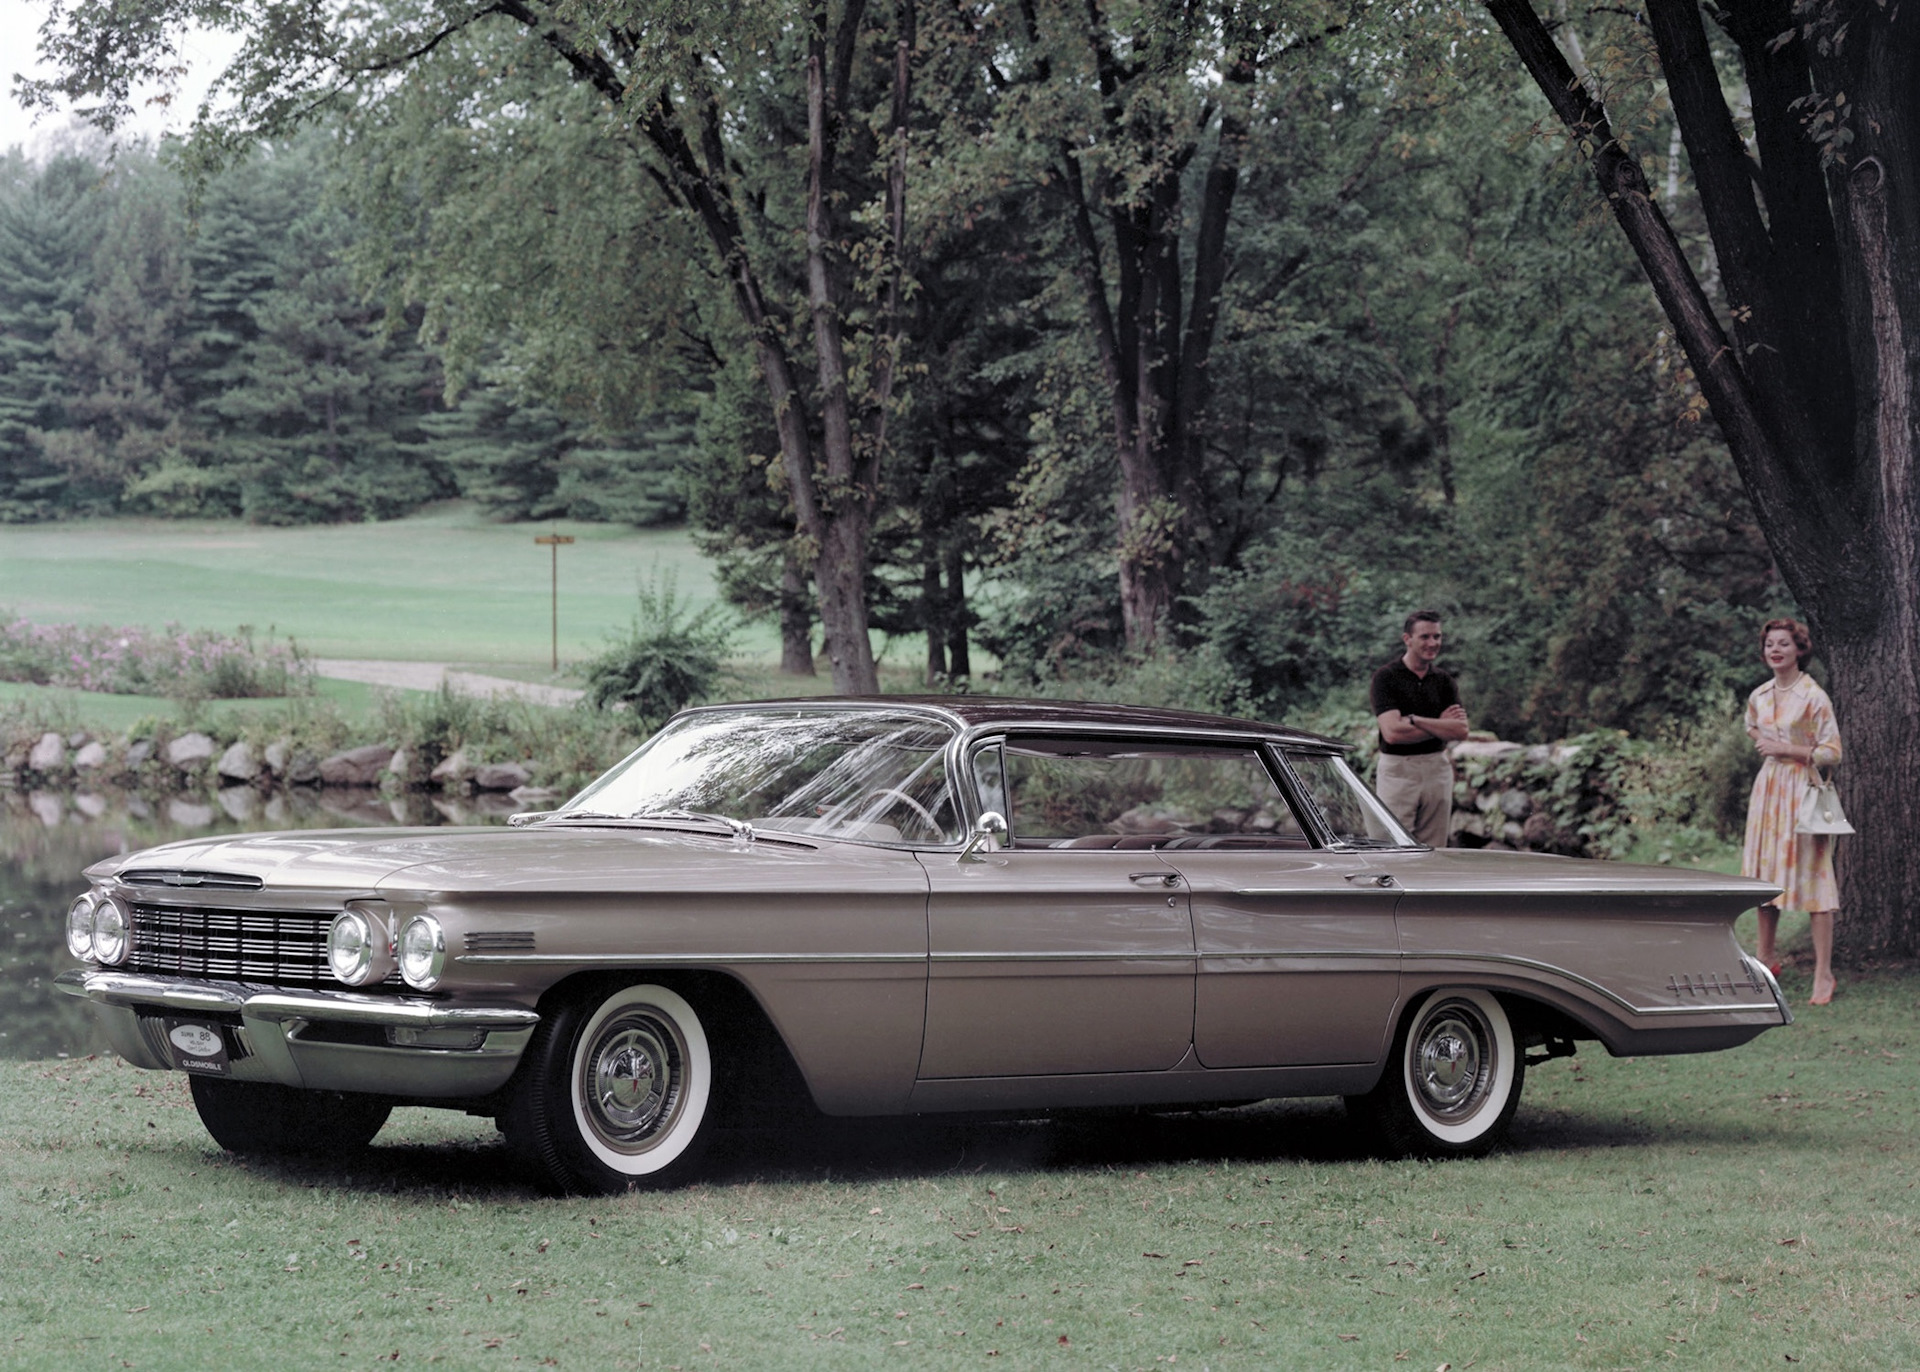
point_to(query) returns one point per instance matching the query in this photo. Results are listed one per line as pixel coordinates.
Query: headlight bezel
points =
(80, 926)
(422, 952)
(112, 931)
(372, 926)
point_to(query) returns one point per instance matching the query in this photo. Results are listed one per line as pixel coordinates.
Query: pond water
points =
(47, 838)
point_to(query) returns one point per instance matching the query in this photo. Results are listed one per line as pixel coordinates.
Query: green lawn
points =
(1739, 1210)
(445, 585)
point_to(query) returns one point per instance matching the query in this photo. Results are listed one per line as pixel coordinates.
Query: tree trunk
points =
(1814, 392)
(959, 656)
(796, 620)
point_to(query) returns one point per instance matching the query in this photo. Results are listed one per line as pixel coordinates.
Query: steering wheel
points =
(893, 793)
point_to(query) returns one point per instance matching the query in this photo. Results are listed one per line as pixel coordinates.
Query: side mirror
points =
(989, 832)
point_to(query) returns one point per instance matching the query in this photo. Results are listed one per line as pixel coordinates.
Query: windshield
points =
(1351, 811)
(840, 773)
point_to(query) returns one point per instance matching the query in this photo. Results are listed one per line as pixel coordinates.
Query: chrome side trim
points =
(1534, 965)
(702, 959)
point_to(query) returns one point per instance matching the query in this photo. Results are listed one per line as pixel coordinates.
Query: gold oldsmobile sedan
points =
(896, 906)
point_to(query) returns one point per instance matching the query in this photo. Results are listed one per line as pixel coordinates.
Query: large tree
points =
(1809, 183)
(780, 192)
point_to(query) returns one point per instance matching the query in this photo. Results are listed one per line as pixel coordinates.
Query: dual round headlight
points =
(98, 930)
(362, 951)
(423, 952)
(360, 947)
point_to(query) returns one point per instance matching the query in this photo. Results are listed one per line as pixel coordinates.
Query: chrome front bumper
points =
(321, 1040)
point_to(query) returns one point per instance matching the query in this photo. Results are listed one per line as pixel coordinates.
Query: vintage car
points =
(897, 906)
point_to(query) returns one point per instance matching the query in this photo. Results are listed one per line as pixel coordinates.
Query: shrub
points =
(670, 658)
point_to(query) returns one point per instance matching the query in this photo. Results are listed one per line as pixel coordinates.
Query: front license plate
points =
(198, 1047)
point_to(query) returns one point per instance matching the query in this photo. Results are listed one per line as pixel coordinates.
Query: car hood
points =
(493, 859)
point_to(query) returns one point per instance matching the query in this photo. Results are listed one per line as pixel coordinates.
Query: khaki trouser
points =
(1419, 791)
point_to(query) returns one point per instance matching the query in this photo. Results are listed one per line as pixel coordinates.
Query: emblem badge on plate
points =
(197, 1047)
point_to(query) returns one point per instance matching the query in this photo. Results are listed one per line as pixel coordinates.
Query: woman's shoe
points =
(1774, 967)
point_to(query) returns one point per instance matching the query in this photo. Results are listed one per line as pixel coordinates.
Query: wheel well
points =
(757, 1073)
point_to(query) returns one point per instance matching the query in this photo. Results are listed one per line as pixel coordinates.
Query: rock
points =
(1540, 754)
(303, 769)
(92, 756)
(397, 767)
(190, 751)
(501, 776)
(238, 763)
(48, 755)
(356, 766)
(453, 768)
(1563, 753)
(46, 808)
(241, 803)
(1516, 804)
(276, 755)
(1539, 830)
(78, 739)
(189, 814)
(138, 752)
(1490, 750)
(1467, 822)
(90, 805)
(1486, 802)
(528, 795)
(1512, 834)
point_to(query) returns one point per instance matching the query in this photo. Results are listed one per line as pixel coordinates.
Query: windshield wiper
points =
(739, 828)
(526, 817)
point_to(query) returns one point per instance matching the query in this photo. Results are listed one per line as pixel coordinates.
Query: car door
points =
(1069, 949)
(1298, 950)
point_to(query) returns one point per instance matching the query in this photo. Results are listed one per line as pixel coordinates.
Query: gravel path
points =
(427, 676)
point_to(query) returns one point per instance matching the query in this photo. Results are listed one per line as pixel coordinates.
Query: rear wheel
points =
(614, 1092)
(267, 1118)
(1454, 1079)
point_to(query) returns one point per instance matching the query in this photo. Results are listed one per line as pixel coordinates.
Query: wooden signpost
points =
(554, 541)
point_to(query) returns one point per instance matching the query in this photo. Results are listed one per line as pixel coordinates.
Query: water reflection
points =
(48, 837)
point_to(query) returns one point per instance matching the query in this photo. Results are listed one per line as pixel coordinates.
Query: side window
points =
(988, 782)
(1125, 793)
(1353, 814)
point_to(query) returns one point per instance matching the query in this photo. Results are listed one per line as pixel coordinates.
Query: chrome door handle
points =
(1370, 878)
(1162, 879)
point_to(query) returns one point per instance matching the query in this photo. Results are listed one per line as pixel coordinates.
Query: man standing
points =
(1419, 712)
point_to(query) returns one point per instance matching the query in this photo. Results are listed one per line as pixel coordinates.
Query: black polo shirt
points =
(1395, 687)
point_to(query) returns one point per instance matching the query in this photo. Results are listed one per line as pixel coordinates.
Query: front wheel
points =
(1454, 1079)
(267, 1118)
(614, 1092)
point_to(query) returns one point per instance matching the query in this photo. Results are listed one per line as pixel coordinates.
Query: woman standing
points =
(1790, 721)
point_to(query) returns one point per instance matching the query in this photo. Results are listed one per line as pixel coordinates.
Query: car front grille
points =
(282, 948)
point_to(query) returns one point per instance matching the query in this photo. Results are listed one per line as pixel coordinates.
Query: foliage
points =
(673, 656)
(132, 660)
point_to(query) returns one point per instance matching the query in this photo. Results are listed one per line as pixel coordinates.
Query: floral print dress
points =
(1800, 864)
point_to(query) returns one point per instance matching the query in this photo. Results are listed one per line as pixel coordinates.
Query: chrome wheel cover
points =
(632, 1080)
(1452, 1060)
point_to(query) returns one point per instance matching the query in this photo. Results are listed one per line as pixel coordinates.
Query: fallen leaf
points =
(1349, 1338)
(1153, 1255)
(1065, 1342)
(543, 1245)
(874, 1211)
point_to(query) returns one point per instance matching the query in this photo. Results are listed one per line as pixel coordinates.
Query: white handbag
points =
(1820, 811)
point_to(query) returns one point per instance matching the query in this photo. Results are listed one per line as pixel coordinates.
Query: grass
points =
(445, 585)
(1736, 1210)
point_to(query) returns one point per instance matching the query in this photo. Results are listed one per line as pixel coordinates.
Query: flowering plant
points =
(132, 660)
